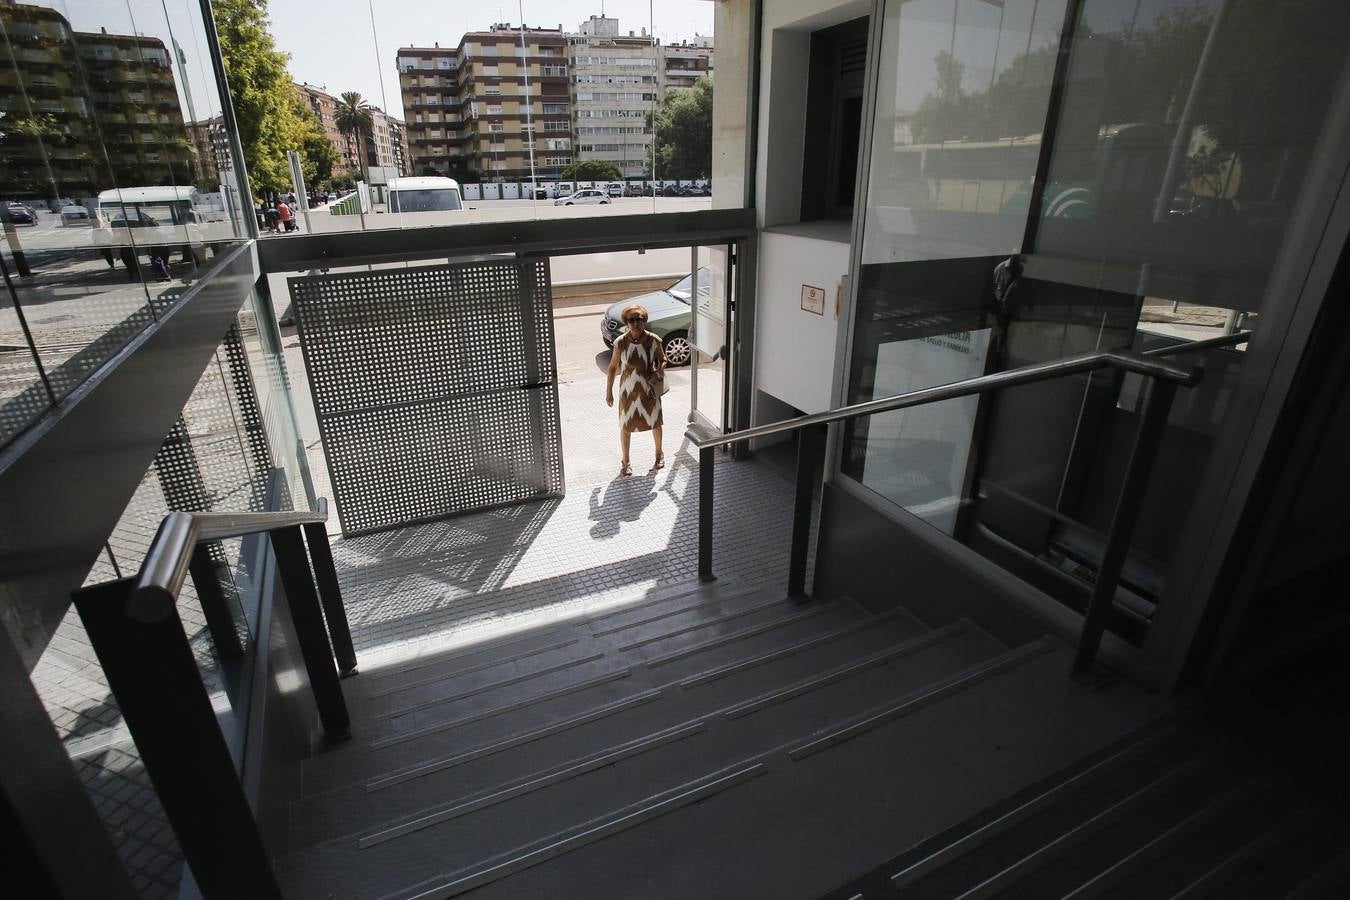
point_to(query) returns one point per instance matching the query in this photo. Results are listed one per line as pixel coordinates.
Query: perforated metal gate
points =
(435, 388)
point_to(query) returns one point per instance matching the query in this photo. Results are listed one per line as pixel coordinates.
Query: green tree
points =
(318, 153)
(683, 133)
(265, 104)
(354, 119)
(591, 170)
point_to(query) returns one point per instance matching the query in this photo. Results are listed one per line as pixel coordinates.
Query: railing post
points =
(809, 451)
(705, 513)
(219, 618)
(303, 601)
(152, 673)
(330, 597)
(1131, 499)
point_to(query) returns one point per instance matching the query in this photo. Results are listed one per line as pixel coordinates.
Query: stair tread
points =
(785, 864)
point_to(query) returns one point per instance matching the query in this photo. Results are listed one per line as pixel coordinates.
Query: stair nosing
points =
(490, 686)
(670, 614)
(525, 654)
(706, 623)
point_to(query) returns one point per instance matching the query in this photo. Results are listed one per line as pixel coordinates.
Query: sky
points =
(330, 41)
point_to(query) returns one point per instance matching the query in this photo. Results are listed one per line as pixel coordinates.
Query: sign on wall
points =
(813, 299)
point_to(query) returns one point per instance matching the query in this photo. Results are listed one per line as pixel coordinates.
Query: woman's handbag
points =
(660, 385)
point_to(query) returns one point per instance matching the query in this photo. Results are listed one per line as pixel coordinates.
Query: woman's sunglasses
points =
(637, 319)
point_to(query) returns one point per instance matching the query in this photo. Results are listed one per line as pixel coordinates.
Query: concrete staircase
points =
(702, 741)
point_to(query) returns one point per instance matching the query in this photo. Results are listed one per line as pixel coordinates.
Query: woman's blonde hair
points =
(632, 308)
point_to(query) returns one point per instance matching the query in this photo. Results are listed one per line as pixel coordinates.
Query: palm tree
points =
(353, 118)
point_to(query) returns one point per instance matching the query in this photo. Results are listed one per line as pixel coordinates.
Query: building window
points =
(496, 127)
(494, 109)
(551, 109)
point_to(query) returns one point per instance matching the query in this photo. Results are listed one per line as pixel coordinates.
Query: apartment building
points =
(398, 139)
(614, 85)
(127, 92)
(325, 106)
(684, 63)
(385, 141)
(428, 80)
(473, 111)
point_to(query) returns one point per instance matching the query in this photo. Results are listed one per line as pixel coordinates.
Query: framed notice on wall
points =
(813, 299)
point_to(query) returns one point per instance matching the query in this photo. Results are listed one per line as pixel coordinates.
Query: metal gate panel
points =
(435, 388)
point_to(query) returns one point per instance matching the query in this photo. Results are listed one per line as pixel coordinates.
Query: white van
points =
(424, 194)
(172, 216)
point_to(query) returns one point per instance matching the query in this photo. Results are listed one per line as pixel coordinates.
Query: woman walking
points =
(639, 361)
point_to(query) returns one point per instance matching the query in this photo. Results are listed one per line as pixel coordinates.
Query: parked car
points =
(669, 316)
(614, 189)
(74, 215)
(590, 195)
(18, 214)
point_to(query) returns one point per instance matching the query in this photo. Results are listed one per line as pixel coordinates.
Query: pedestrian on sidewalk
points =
(286, 216)
(272, 216)
(639, 361)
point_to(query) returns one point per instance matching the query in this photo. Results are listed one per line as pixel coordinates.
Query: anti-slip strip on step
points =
(1211, 883)
(534, 782)
(435, 659)
(493, 685)
(784, 652)
(755, 704)
(706, 623)
(997, 884)
(620, 609)
(1320, 883)
(1124, 869)
(492, 663)
(732, 638)
(671, 613)
(406, 736)
(973, 840)
(517, 740)
(651, 808)
(955, 685)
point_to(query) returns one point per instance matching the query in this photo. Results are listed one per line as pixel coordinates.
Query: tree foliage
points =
(592, 170)
(683, 132)
(272, 119)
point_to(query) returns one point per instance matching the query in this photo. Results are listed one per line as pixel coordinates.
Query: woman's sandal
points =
(660, 461)
(626, 469)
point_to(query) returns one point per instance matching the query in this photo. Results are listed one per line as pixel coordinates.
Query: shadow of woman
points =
(623, 501)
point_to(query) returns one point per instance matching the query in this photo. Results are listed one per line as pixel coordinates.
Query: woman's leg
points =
(656, 437)
(625, 441)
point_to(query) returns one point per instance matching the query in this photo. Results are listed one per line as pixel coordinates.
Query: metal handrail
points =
(166, 565)
(1223, 340)
(704, 438)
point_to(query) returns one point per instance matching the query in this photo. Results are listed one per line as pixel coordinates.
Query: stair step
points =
(399, 793)
(411, 738)
(770, 836)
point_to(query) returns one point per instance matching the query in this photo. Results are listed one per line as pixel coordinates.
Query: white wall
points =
(794, 349)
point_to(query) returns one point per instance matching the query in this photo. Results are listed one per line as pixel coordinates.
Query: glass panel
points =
(710, 333)
(504, 113)
(23, 397)
(101, 168)
(1176, 172)
(961, 103)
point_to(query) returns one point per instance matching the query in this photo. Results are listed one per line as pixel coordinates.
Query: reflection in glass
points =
(117, 195)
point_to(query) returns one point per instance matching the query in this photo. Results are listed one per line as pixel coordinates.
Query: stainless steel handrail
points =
(166, 565)
(703, 437)
(1223, 340)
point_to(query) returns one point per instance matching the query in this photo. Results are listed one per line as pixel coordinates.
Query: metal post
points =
(809, 448)
(330, 597)
(153, 675)
(1128, 504)
(705, 514)
(303, 601)
(219, 617)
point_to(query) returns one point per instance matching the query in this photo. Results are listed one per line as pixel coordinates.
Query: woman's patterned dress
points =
(639, 398)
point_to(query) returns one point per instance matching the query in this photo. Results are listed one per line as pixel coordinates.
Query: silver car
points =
(590, 195)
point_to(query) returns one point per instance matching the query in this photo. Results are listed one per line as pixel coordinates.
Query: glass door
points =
(709, 336)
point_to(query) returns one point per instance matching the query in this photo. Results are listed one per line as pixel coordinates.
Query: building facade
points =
(324, 106)
(614, 86)
(474, 112)
(684, 63)
(89, 110)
